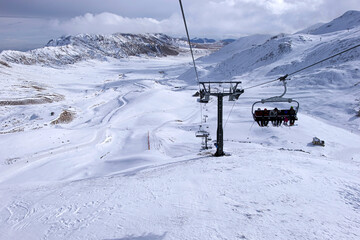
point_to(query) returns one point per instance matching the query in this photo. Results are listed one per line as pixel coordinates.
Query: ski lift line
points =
(188, 37)
(192, 56)
(258, 85)
(230, 114)
(302, 69)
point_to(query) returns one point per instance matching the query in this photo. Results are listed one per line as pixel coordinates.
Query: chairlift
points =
(202, 133)
(276, 116)
(205, 117)
(205, 135)
(204, 96)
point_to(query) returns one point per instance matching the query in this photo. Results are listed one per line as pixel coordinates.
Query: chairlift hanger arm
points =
(283, 79)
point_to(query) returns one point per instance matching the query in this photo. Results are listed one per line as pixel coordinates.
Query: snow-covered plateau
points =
(101, 145)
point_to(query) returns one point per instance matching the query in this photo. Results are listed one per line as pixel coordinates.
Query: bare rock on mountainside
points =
(65, 117)
(4, 64)
(38, 99)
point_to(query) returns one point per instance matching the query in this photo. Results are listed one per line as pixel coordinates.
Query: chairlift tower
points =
(233, 93)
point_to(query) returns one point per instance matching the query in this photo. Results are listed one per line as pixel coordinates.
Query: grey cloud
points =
(107, 23)
(70, 8)
(25, 33)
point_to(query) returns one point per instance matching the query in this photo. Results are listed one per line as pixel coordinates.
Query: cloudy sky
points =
(27, 24)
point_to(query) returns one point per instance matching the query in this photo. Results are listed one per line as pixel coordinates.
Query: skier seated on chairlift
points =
(286, 120)
(292, 115)
(273, 116)
(258, 115)
(265, 118)
(276, 117)
(202, 93)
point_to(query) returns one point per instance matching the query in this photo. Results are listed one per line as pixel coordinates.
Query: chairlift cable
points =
(188, 38)
(258, 85)
(230, 114)
(192, 55)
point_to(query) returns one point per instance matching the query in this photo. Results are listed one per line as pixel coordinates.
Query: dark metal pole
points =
(220, 135)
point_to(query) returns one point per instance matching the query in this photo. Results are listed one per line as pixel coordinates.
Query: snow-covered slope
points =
(309, 29)
(207, 63)
(255, 57)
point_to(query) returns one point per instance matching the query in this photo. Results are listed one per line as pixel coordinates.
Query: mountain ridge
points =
(72, 49)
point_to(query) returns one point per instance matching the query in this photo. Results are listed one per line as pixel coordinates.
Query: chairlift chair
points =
(205, 135)
(202, 133)
(276, 116)
(204, 96)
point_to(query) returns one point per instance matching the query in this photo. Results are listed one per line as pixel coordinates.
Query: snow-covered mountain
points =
(71, 49)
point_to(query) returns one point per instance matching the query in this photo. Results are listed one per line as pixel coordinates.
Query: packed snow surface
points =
(107, 149)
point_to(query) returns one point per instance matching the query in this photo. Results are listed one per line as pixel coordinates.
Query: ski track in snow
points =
(95, 179)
